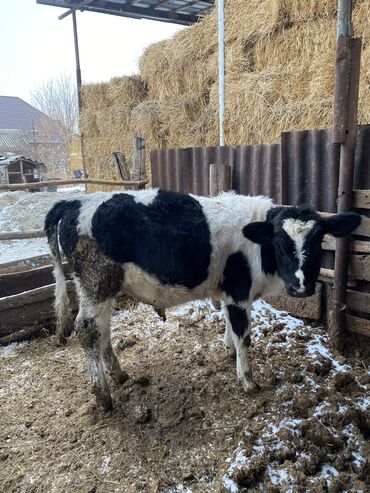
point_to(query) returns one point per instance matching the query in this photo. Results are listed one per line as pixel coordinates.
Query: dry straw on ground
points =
(279, 57)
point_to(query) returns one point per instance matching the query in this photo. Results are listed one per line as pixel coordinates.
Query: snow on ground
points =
(25, 211)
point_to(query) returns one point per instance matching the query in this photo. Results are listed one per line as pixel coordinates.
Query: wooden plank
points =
(329, 243)
(58, 183)
(358, 301)
(22, 235)
(25, 263)
(30, 308)
(360, 267)
(219, 178)
(17, 282)
(301, 307)
(358, 325)
(361, 199)
(327, 275)
(29, 297)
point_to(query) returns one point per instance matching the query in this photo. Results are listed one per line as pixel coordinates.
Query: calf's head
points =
(295, 234)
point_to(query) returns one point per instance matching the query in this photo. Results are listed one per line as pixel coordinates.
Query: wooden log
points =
(301, 307)
(59, 183)
(17, 282)
(361, 199)
(358, 325)
(30, 307)
(22, 235)
(21, 335)
(219, 178)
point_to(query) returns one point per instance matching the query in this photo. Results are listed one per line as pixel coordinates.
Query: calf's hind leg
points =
(91, 328)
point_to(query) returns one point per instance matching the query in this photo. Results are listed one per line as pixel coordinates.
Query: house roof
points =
(12, 139)
(176, 11)
(17, 114)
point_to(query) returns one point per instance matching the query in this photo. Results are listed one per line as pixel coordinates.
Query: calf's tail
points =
(63, 313)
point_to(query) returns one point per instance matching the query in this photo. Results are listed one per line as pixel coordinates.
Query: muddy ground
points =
(182, 422)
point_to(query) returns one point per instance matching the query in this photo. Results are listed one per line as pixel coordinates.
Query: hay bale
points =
(279, 62)
(94, 96)
(128, 90)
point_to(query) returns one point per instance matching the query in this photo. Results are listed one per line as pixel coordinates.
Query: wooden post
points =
(138, 159)
(219, 178)
(122, 165)
(344, 132)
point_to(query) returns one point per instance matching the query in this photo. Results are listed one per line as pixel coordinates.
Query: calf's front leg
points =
(238, 318)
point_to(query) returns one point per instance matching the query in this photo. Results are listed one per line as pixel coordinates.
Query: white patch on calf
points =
(298, 231)
(89, 204)
(144, 197)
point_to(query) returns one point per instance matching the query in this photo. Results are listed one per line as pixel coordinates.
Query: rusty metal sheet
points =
(310, 168)
(256, 170)
(362, 159)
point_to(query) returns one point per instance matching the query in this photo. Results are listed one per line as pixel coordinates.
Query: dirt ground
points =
(182, 422)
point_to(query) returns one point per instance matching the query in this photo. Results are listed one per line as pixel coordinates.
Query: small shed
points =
(19, 169)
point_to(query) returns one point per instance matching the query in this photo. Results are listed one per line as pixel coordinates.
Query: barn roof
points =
(12, 139)
(176, 11)
(16, 113)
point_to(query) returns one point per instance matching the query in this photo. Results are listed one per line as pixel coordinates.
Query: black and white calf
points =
(166, 248)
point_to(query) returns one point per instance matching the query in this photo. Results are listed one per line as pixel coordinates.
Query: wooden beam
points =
(358, 325)
(25, 264)
(329, 243)
(30, 307)
(25, 280)
(58, 183)
(22, 235)
(361, 199)
(360, 267)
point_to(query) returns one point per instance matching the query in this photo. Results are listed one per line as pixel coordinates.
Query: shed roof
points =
(176, 11)
(12, 139)
(8, 158)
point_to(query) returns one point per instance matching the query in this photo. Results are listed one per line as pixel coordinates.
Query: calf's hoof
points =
(250, 387)
(103, 401)
(121, 377)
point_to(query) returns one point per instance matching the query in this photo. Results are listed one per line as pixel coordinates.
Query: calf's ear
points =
(259, 232)
(341, 224)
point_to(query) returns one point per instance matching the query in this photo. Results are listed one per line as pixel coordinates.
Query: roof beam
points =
(78, 6)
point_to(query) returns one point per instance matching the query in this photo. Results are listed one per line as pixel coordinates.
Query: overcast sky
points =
(35, 45)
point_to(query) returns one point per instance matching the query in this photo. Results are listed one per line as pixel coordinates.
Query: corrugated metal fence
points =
(304, 167)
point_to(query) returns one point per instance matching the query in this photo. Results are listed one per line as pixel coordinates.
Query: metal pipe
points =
(79, 84)
(344, 25)
(221, 68)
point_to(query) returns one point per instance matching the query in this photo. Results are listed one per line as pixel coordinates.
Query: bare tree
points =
(58, 99)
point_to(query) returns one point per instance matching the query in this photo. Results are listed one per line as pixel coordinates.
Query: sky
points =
(35, 46)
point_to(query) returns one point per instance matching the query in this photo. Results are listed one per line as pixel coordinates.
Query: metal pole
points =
(79, 83)
(347, 90)
(221, 68)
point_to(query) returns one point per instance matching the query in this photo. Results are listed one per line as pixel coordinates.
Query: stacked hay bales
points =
(279, 57)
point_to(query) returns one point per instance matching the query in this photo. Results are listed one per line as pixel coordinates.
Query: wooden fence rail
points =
(83, 181)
